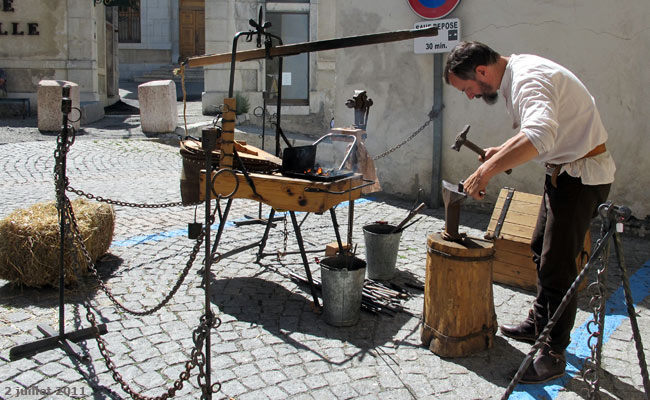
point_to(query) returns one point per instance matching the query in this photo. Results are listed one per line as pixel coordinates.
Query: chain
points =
(207, 321)
(197, 358)
(433, 114)
(595, 327)
(106, 290)
(100, 199)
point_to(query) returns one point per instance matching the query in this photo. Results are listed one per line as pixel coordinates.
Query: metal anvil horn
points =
(452, 196)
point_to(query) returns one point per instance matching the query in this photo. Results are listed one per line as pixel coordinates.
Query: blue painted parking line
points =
(156, 237)
(578, 350)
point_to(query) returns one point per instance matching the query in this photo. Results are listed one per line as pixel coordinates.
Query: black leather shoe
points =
(546, 366)
(526, 331)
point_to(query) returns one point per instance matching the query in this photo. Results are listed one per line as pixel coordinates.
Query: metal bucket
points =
(342, 281)
(381, 250)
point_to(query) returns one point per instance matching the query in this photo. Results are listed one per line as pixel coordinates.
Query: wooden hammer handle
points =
(480, 152)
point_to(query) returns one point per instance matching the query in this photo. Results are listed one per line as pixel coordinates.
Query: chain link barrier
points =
(433, 114)
(101, 199)
(595, 327)
(207, 321)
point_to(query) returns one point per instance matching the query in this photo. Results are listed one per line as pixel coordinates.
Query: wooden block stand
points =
(513, 263)
(458, 314)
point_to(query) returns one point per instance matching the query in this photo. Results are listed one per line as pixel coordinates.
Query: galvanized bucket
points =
(381, 250)
(342, 281)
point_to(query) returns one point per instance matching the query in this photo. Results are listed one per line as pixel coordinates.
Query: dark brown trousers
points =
(564, 218)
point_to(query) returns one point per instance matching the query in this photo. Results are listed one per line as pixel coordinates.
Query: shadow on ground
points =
(290, 317)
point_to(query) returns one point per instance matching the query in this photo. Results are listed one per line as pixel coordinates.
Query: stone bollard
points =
(158, 111)
(49, 94)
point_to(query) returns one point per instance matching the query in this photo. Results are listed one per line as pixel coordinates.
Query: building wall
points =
(159, 39)
(62, 44)
(605, 46)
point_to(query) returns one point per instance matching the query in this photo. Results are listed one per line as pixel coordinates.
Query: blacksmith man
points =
(558, 126)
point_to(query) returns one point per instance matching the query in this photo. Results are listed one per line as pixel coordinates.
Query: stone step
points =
(166, 72)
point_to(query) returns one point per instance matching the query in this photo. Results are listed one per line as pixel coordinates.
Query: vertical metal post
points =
(278, 110)
(208, 141)
(436, 162)
(66, 107)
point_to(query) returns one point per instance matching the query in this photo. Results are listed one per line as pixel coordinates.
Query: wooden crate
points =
(513, 263)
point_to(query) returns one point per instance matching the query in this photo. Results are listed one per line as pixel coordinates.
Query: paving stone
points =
(51, 369)
(29, 378)
(257, 394)
(315, 381)
(233, 389)
(273, 377)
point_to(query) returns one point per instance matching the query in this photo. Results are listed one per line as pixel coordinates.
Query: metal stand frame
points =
(611, 216)
(62, 339)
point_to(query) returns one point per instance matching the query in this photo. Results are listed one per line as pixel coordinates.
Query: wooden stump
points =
(458, 315)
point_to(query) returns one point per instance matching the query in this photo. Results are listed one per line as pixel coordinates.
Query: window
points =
(291, 27)
(129, 23)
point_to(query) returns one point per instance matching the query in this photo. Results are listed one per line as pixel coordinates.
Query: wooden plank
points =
(524, 282)
(522, 261)
(283, 193)
(307, 47)
(521, 217)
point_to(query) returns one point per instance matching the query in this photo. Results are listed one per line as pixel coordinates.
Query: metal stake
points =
(60, 339)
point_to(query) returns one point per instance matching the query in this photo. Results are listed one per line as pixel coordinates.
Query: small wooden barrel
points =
(458, 314)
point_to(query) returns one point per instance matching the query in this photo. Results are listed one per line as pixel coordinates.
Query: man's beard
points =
(487, 94)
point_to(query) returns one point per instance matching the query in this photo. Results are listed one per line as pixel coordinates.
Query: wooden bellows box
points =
(511, 225)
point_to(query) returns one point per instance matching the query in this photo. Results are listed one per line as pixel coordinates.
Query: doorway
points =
(192, 28)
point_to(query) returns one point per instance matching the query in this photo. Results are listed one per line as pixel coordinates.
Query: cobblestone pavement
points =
(270, 344)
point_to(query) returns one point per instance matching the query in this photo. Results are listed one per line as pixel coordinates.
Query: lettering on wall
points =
(16, 28)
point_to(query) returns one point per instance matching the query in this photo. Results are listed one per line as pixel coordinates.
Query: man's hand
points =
(476, 183)
(515, 151)
(489, 152)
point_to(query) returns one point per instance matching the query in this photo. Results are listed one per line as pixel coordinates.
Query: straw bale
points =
(29, 243)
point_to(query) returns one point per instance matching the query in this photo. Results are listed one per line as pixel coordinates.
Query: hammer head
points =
(461, 138)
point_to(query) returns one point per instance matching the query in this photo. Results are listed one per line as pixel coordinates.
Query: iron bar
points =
(209, 143)
(265, 236)
(336, 230)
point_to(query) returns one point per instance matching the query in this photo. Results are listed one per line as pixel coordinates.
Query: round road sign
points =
(433, 9)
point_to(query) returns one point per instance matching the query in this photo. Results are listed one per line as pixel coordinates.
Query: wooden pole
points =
(307, 47)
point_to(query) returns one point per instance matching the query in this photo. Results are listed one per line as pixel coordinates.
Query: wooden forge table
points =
(281, 193)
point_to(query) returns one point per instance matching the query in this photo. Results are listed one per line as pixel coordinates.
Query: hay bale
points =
(29, 243)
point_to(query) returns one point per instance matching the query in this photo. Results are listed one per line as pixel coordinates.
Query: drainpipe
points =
(174, 16)
(436, 167)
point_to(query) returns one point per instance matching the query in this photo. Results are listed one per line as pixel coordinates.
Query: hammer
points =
(461, 139)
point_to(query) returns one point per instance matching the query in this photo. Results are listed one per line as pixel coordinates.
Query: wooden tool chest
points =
(513, 264)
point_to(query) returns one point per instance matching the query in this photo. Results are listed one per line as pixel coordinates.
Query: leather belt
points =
(601, 148)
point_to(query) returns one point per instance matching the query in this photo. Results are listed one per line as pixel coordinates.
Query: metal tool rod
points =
(307, 47)
(335, 223)
(222, 225)
(265, 237)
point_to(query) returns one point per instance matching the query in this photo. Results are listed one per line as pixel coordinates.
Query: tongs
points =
(412, 212)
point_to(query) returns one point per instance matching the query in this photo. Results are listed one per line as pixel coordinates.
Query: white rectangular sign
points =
(448, 36)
